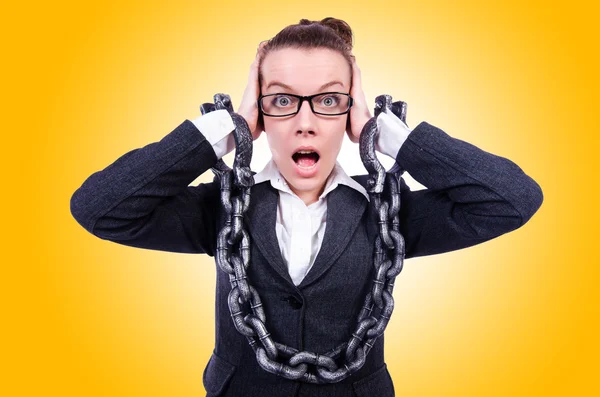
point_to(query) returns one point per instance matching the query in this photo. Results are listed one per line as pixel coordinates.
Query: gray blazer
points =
(144, 200)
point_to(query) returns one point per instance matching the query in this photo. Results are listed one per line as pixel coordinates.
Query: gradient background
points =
(517, 315)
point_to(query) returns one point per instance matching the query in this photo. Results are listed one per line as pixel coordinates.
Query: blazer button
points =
(292, 301)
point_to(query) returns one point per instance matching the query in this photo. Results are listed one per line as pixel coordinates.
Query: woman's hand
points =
(248, 107)
(359, 112)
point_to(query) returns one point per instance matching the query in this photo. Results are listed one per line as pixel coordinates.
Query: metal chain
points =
(233, 257)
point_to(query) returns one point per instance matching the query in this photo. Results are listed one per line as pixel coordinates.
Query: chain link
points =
(233, 258)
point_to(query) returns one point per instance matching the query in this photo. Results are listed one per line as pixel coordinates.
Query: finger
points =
(261, 45)
(253, 74)
(356, 75)
(355, 67)
(358, 92)
(256, 61)
(358, 95)
(356, 78)
(252, 89)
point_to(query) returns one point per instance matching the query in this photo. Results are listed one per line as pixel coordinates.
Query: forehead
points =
(304, 71)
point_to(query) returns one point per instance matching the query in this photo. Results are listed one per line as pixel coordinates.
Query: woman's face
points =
(305, 72)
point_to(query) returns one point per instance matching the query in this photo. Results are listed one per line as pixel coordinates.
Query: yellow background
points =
(83, 84)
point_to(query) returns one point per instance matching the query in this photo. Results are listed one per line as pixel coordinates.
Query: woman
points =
(311, 231)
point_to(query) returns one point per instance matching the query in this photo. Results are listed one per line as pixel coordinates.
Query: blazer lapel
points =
(345, 208)
(261, 220)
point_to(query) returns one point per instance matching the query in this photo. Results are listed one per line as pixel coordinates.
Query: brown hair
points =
(330, 33)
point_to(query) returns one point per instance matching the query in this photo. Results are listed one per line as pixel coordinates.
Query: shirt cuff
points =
(217, 127)
(393, 132)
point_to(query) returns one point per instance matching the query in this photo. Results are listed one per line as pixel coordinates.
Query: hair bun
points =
(341, 28)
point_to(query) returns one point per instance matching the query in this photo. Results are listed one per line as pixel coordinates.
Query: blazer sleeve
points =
(144, 200)
(471, 195)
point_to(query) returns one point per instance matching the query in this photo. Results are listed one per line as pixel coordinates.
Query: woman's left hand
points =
(359, 112)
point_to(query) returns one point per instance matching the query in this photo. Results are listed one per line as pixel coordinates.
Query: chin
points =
(307, 185)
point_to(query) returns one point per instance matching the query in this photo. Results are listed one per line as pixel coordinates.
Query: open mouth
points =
(306, 158)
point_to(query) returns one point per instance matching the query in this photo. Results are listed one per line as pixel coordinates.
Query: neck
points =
(309, 197)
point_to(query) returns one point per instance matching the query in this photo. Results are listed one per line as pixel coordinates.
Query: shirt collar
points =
(338, 176)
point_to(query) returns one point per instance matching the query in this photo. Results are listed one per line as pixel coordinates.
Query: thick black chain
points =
(233, 257)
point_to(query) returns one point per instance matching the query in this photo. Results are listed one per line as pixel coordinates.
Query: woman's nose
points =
(305, 118)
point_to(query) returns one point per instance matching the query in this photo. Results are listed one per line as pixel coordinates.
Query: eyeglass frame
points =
(303, 98)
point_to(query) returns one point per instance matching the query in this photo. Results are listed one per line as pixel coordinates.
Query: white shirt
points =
(300, 228)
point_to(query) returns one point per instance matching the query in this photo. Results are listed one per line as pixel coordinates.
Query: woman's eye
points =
(330, 100)
(282, 101)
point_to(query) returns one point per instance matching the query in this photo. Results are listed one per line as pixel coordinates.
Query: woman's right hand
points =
(249, 107)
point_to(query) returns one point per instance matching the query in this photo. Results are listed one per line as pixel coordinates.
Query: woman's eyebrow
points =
(287, 87)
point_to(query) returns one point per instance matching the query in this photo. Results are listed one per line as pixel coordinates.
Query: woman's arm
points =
(143, 198)
(472, 196)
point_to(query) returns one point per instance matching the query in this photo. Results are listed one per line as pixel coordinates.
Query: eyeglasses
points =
(326, 103)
